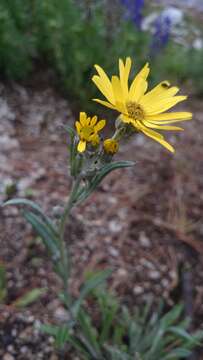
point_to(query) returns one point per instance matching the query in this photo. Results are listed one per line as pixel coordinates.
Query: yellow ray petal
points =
(172, 116)
(137, 89)
(161, 127)
(161, 141)
(159, 122)
(88, 121)
(139, 85)
(103, 88)
(93, 121)
(105, 103)
(144, 72)
(78, 126)
(105, 80)
(103, 75)
(124, 71)
(142, 127)
(100, 125)
(83, 119)
(162, 105)
(159, 92)
(118, 94)
(81, 146)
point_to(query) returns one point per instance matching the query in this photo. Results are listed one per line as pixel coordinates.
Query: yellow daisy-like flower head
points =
(144, 110)
(111, 146)
(87, 129)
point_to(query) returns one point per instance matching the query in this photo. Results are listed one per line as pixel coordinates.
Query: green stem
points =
(119, 133)
(64, 254)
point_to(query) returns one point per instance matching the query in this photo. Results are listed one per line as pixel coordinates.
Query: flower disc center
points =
(86, 132)
(134, 110)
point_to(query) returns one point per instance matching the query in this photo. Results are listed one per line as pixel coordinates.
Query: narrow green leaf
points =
(50, 241)
(35, 207)
(62, 336)
(117, 354)
(102, 174)
(69, 130)
(89, 333)
(107, 324)
(171, 316)
(3, 289)
(30, 297)
(55, 331)
(81, 346)
(49, 329)
(184, 334)
(179, 353)
(88, 286)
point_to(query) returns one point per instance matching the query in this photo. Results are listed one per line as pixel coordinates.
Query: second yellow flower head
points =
(87, 129)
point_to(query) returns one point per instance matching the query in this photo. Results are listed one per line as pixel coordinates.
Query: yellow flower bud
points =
(110, 146)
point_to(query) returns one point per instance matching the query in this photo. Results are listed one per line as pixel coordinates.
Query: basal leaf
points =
(35, 207)
(89, 285)
(42, 229)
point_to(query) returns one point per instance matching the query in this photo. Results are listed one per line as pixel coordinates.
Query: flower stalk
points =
(64, 253)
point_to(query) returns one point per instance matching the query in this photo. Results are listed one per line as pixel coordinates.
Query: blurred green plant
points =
(29, 297)
(118, 334)
(17, 41)
(71, 36)
(3, 289)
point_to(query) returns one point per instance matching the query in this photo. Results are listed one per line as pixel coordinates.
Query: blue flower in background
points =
(161, 34)
(134, 9)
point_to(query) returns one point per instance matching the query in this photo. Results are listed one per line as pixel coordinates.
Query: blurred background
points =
(146, 222)
(66, 38)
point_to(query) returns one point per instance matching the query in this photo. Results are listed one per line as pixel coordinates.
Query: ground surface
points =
(145, 222)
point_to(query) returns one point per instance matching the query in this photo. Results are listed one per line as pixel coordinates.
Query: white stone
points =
(8, 356)
(113, 252)
(154, 275)
(138, 290)
(144, 240)
(115, 226)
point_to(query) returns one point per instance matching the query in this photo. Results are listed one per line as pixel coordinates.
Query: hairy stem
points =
(64, 253)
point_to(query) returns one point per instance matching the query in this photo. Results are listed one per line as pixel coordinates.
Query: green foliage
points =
(30, 297)
(119, 335)
(195, 69)
(173, 62)
(70, 39)
(3, 289)
(17, 42)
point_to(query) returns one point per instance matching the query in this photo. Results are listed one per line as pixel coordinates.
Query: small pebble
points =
(113, 252)
(24, 349)
(14, 332)
(115, 226)
(8, 356)
(144, 240)
(138, 290)
(154, 275)
(10, 348)
(122, 273)
(61, 314)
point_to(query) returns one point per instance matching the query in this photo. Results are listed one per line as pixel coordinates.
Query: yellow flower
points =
(144, 110)
(87, 129)
(110, 146)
